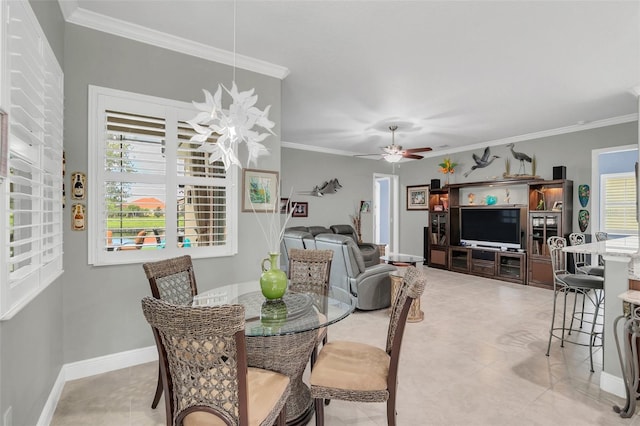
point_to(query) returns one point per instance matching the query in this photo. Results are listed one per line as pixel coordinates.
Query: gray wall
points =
(102, 312)
(31, 352)
(304, 169)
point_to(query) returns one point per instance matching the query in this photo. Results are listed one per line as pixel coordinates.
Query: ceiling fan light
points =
(393, 158)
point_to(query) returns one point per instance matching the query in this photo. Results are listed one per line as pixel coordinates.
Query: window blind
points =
(619, 207)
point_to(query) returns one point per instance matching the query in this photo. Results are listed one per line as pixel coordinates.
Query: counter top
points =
(627, 247)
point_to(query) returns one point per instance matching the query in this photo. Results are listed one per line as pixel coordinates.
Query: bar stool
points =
(590, 286)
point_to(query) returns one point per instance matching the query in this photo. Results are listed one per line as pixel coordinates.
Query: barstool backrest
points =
(579, 259)
(558, 257)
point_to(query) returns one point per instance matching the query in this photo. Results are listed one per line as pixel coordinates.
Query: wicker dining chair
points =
(205, 369)
(309, 272)
(174, 281)
(340, 372)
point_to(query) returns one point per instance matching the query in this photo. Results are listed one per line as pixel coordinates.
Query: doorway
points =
(386, 211)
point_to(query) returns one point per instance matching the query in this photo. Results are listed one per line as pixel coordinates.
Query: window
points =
(153, 192)
(32, 193)
(618, 209)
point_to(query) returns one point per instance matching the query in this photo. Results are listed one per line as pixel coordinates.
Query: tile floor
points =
(478, 358)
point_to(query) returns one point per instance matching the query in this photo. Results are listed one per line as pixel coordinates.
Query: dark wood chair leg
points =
(314, 356)
(282, 417)
(158, 394)
(319, 406)
(391, 409)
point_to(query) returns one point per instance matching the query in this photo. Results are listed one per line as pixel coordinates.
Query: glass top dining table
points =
(281, 334)
(295, 312)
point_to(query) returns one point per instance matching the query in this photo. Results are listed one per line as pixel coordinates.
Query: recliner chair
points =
(370, 285)
(293, 239)
(370, 252)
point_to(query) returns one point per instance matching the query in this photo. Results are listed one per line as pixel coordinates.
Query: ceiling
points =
(452, 75)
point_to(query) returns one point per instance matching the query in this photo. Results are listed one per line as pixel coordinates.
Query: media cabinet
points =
(546, 209)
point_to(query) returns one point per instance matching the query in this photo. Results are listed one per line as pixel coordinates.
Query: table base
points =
(287, 354)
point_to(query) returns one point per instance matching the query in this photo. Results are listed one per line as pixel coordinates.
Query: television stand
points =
(489, 262)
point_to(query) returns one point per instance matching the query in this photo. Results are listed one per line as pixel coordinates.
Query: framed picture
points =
(300, 209)
(78, 185)
(259, 190)
(418, 197)
(285, 206)
(4, 144)
(557, 206)
(365, 206)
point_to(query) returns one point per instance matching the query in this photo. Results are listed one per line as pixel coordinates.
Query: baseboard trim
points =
(91, 367)
(103, 364)
(612, 384)
(46, 416)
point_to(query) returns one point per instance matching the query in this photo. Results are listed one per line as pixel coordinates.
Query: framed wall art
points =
(300, 209)
(418, 197)
(78, 185)
(285, 206)
(260, 191)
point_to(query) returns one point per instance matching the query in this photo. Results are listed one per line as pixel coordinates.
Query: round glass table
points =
(393, 258)
(281, 334)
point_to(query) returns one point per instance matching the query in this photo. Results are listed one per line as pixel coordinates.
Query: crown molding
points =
(76, 15)
(497, 142)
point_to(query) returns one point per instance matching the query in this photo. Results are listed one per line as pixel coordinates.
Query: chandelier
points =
(236, 125)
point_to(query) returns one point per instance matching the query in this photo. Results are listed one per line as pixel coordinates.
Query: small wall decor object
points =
(78, 185)
(259, 191)
(365, 206)
(285, 206)
(78, 217)
(300, 209)
(418, 197)
(583, 220)
(482, 162)
(583, 194)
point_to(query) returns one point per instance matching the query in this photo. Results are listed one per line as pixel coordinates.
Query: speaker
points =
(435, 183)
(559, 172)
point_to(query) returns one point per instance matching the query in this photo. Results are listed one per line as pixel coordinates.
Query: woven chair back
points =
(172, 280)
(413, 284)
(309, 270)
(206, 356)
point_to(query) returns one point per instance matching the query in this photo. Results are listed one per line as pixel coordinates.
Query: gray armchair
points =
(370, 285)
(293, 238)
(370, 252)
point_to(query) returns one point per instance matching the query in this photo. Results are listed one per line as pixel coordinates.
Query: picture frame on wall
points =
(260, 191)
(285, 206)
(300, 209)
(418, 197)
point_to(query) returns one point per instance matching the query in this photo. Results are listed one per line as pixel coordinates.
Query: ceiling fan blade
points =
(367, 155)
(412, 156)
(425, 149)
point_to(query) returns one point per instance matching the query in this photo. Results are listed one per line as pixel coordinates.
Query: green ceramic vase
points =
(273, 281)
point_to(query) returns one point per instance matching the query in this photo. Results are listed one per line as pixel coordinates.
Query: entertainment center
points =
(499, 229)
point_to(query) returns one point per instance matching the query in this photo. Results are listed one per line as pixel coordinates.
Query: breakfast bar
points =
(622, 263)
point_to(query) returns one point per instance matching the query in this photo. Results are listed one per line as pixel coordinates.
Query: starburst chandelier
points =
(234, 125)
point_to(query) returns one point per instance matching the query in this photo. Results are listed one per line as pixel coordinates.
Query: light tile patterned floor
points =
(476, 359)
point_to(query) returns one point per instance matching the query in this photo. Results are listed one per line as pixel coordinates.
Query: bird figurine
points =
(482, 162)
(520, 156)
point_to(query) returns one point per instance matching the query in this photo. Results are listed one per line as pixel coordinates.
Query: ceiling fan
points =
(394, 153)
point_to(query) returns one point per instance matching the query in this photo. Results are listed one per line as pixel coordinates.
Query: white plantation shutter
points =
(619, 206)
(155, 195)
(34, 103)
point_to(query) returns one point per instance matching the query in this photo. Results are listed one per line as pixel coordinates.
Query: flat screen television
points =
(490, 227)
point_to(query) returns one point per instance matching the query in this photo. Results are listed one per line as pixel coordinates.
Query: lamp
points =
(234, 125)
(393, 158)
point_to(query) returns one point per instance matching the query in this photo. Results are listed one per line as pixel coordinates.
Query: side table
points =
(415, 314)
